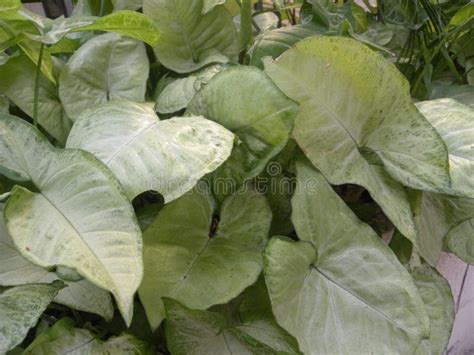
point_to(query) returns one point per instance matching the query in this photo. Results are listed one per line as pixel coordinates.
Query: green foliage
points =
(213, 228)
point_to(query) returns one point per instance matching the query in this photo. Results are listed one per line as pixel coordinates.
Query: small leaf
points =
(20, 308)
(190, 40)
(198, 261)
(18, 84)
(340, 289)
(144, 153)
(105, 67)
(81, 217)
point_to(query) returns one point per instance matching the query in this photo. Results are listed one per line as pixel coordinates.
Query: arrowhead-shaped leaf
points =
(190, 39)
(144, 153)
(340, 289)
(15, 270)
(245, 101)
(455, 122)
(191, 260)
(105, 67)
(20, 308)
(355, 109)
(80, 218)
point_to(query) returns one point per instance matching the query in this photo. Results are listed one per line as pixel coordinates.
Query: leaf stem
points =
(37, 79)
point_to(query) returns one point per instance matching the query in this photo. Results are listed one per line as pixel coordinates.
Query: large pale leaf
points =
(245, 101)
(105, 67)
(20, 308)
(340, 289)
(144, 153)
(177, 94)
(202, 332)
(18, 84)
(189, 39)
(81, 295)
(436, 294)
(461, 93)
(455, 122)
(80, 218)
(356, 110)
(63, 338)
(191, 260)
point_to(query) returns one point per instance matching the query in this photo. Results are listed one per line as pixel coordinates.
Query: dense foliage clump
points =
(234, 177)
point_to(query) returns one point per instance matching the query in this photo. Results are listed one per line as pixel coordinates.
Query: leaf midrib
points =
(377, 311)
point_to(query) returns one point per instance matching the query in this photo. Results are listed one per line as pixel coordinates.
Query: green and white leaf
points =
(15, 270)
(356, 110)
(183, 262)
(455, 122)
(460, 240)
(436, 293)
(462, 93)
(105, 67)
(208, 5)
(340, 289)
(197, 332)
(435, 216)
(144, 153)
(190, 39)
(80, 219)
(64, 338)
(20, 308)
(18, 84)
(245, 101)
(177, 94)
(274, 43)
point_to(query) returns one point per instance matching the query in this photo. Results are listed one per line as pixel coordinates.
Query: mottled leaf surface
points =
(20, 308)
(15, 270)
(81, 218)
(144, 153)
(105, 67)
(436, 295)
(190, 39)
(356, 110)
(455, 122)
(191, 259)
(245, 101)
(340, 289)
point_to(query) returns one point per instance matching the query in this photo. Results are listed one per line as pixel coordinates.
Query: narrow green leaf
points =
(201, 261)
(245, 24)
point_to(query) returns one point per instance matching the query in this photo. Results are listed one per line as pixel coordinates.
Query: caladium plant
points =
(233, 177)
